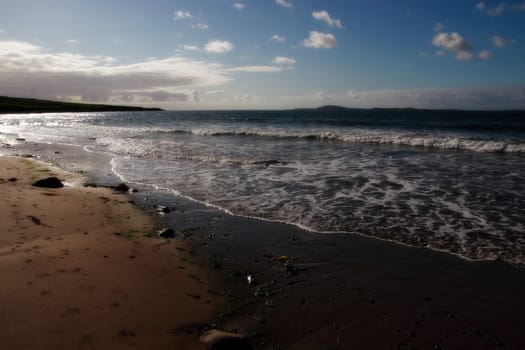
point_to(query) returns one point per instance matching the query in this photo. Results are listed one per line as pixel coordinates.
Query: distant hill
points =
(31, 105)
(328, 108)
(409, 110)
(333, 108)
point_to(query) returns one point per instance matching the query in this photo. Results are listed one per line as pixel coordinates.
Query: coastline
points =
(315, 291)
(78, 272)
(17, 105)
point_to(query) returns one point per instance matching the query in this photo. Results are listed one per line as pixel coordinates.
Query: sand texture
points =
(77, 271)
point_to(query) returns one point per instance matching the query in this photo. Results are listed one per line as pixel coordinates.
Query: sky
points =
(266, 54)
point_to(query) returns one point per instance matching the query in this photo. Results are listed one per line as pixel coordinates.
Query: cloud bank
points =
(32, 71)
(461, 98)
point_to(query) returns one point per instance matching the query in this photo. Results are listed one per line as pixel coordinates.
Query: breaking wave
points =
(386, 138)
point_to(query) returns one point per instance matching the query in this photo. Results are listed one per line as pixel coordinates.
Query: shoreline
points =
(315, 291)
(78, 271)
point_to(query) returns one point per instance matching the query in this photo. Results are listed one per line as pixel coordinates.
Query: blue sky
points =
(266, 54)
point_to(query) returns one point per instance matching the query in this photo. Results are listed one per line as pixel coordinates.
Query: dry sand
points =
(77, 272)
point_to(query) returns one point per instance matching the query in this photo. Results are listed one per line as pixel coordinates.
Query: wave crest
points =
(386, 138)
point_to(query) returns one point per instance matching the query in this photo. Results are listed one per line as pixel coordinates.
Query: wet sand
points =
(352, 292)
(77, 271)
(332, 291)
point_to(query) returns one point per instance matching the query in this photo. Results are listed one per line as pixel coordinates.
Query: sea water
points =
(447, 180)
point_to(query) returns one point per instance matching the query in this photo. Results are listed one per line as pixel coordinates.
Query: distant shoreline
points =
(15, 105)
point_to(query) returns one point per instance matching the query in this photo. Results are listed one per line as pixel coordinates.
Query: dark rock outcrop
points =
(50, 182)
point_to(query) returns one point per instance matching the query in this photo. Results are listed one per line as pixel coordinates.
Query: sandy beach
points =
(71, 281)
(77, 271)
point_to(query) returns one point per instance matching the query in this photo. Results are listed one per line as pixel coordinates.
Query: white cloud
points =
(214, 92)
(201, 26)
(480, 6)
(242, 98)
(485, 55)
(496, 11)
(72, 41)
(284, 3)
(455, 43)
(322, 95)
(324, 16)
(460, 46)
(281, 60)
(465, 56)
(520, 7)
(452, 41)
(239, 6)
(319, 40)
(1, 31)
(28, 70)
(278, 38)
(498, 41)
(189, 47)
(219, 46)
(439, 26)
(255, 69)
(179, 14)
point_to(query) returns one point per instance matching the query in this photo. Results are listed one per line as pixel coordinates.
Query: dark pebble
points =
(122, 187)
(126, 333)
(34, 219)
(50, 182)
(167, 233)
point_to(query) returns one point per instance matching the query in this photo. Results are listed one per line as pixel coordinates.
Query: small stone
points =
(34, 219)
(122, 187)
(250, 280)
(220, 340)
(268, 303)
(126, 333)
(163, 210)
(167, 233)
(50, 182)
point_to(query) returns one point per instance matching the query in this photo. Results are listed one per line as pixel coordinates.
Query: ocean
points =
(452, 181)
